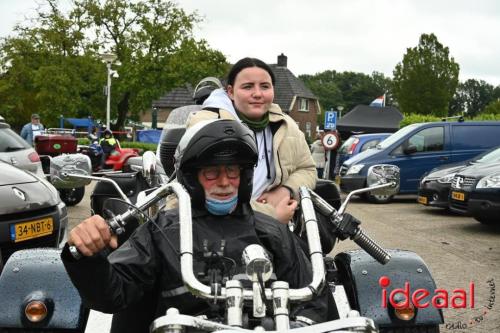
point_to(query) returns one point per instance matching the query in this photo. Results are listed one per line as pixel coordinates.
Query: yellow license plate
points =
(458, 196)
(337, 179)
(33, 229)
(422, 200)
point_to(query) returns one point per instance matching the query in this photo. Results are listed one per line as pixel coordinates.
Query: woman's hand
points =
(285, 210)
(91, 236)
(275, 196)
(280, 199)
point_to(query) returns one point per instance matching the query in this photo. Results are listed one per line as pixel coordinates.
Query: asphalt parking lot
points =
(458, 250)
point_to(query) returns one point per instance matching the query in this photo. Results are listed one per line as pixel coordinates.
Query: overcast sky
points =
(342, 35)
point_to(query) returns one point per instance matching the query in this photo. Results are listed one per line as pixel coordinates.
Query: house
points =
(290, 94)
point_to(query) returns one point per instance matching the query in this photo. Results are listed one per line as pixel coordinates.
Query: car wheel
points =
(485, 220)
(411, 329)
(379, 199)
(72, 196)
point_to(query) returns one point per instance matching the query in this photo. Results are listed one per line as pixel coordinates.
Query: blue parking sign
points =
(330, 120)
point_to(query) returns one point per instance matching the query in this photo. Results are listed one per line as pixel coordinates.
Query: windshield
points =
(396, 136)
(10, 141)
(492, 156)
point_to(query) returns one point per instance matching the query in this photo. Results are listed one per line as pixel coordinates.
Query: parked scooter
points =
(351, 276)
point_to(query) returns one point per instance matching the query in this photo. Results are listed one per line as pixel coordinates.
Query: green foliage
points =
(413, 118)
(346, 89)
(52, 65)
(471, 97)
(492, 109)
(426, 80)
(143, 146)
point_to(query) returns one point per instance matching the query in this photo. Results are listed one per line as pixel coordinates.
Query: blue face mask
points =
(221, 207)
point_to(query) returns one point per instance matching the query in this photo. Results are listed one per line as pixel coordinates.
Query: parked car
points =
(31, 212)
(434, 188)
(475, 191)
(419, 148)
(16, 151)
(358, 143)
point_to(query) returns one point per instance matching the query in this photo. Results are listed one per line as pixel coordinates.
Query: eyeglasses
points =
(212, 173)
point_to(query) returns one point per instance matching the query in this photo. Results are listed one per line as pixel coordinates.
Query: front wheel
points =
(411, 329)
(72, 196)
(485, 220)
(379, 199)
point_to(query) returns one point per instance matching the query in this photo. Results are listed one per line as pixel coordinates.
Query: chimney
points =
(282, 60)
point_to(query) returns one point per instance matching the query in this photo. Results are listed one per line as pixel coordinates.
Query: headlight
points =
(491, 181)
(446, 179)
(355, 169)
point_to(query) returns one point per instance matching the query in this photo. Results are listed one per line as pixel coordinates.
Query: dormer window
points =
(303, 105)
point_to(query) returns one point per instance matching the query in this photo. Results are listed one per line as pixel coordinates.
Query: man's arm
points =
(112, 287)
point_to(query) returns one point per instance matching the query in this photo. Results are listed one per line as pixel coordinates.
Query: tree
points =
(471, 97)
(493, 108)
(426, 80)
(347, 89)
(57, 57)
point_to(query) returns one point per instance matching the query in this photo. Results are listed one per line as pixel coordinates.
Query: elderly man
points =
(32, 129)
(214, 162)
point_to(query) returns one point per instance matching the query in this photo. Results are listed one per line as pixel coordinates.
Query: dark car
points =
(358, 143)
(31, 212)
(434, 188)
(475, 191)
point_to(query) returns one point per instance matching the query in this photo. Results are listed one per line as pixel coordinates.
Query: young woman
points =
(284, 162)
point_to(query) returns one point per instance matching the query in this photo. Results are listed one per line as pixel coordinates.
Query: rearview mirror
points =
(64, 168)
(380, 174)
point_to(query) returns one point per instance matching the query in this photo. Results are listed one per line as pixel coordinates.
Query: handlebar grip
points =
(371, 247)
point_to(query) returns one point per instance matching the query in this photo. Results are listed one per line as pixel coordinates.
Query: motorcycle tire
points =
(411, 329)
(72, 196)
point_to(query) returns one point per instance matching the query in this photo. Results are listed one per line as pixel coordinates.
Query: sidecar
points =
(37, 294)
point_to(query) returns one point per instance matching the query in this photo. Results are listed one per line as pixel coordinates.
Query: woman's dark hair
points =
(247, 63)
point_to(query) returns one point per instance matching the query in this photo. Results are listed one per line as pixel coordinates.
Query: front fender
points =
(360, 274)
(38, 274)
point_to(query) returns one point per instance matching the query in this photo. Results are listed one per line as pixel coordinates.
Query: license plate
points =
(422, 200)
(458, 196)
(337, 179)
(33, 229)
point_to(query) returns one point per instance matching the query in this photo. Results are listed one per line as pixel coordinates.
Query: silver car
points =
(16, 151)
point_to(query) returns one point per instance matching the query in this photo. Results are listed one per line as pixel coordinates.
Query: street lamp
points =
(340, 108)
(108, 58)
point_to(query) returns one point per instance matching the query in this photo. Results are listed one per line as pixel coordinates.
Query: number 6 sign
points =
(330, 141)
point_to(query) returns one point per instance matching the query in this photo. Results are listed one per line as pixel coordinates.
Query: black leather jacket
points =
(148, 263)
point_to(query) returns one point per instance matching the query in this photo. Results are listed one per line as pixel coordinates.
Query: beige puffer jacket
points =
(292, 159)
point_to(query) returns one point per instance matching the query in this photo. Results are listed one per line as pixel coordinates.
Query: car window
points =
(429, 139)
(345, 146)
(11, 141)
(492, 156)
(369, 144)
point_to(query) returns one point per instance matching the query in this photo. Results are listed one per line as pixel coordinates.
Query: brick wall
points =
(303, 117)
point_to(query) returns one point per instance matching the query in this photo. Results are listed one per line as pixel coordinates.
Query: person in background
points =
(108, 144)
(32, 129)
(284, 162)
(318, 155)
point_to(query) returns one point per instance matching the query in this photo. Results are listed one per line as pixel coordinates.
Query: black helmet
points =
(204, 88)
(215, 142)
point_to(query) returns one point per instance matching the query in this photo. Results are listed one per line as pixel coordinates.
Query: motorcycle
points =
(30, 301)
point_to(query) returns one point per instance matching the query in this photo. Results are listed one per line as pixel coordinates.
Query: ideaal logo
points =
(400, 298)
(459, 298)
